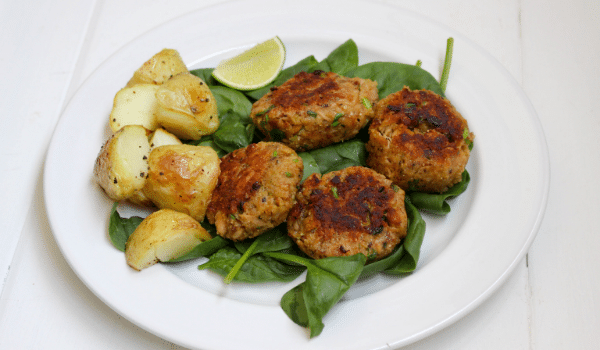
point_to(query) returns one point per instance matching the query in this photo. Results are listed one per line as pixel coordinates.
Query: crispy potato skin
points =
(346, 212)
(187, 107)
(121, 165)
(256, 190)
(314, 110)
(159, 68)
(417, 139)
(182, 177)
(163, 235)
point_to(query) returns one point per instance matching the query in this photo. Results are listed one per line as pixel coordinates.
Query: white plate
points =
(466, 255)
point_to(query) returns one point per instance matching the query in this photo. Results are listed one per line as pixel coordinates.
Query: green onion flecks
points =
(365, 101)
(336, 119)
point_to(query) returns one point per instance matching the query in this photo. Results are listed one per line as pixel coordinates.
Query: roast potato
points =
(134, 105)
(162, 236)
(182, 178)
(122, 164)
(159, 137)
(159, 68)
(187, 107)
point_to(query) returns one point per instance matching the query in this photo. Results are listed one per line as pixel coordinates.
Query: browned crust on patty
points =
(314, 110)
(417, 139)
(255, 191)
(346, 212)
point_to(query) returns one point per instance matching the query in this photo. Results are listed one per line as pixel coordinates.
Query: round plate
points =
(465, 257)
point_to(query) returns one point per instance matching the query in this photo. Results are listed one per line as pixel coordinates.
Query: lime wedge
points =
(254, 68)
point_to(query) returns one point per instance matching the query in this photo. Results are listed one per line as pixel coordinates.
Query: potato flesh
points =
(182, 178)
(160, 137)
(187, 107)
(176, 246)
(122, 164)
(162, 236)
(159, 68)
(135, 105)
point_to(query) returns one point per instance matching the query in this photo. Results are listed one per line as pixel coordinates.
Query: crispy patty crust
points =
(256, 190)
(313, 110)
(419, 141)
(346, 212)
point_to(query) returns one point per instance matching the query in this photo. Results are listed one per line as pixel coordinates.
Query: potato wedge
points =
(160, 137)
(135, 105)
(162, 236)
(187, 107)
(159, 68)
(182, 178)
(122, 164)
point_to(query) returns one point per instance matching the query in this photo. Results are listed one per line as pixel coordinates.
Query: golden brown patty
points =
(419, 141)
(256, 190)
(345, 212)
(313, 110)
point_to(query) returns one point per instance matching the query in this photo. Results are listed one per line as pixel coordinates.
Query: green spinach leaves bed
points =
(273, 257)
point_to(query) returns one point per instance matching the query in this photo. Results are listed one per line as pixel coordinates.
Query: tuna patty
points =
(314, 110)
(419, 141)
(256, 190)
(346, 212)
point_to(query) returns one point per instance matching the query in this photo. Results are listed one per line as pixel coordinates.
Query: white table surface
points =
(550, 301)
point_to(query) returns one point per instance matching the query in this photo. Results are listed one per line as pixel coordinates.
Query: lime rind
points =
(253, 68)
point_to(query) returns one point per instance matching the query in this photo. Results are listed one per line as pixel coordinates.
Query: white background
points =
(551, 300)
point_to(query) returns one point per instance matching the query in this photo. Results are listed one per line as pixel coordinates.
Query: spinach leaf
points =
(384, 264)
(392, 77)
(119, 229)
(236, 129)
(404, 258)
(233, 134)
(206, 75)
(340, 155)
(326, 282)
(411, 243)
(243, 260)
(294, 306)
(341, 60)
(304, 65)
(436, 203)
(271, 241)
(232, 101)
(208, 141)
(255, 269)
(205, 248)
(310, 165)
